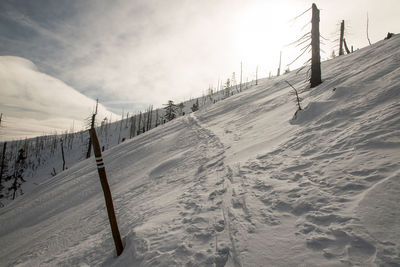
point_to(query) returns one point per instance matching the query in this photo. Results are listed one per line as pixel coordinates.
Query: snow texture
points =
(242, 182)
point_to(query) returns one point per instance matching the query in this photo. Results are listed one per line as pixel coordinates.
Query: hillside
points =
(242, 182)
(48, 155)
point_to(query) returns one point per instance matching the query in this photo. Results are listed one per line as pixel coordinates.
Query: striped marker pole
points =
(107, 193)
(100, 163)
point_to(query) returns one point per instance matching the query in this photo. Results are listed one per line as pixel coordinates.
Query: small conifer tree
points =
(170, 111)
(18, 173)
(195, 106)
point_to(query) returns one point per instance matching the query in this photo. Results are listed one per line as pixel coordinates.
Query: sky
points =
(133, 53)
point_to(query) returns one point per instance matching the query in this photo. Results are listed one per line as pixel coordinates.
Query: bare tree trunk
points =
(92, 127)
(149, 117)
(156, 117)
(257, 75)
(126, 120)
(241, 72)
(369, 41)
(139, 120)
(2, 161)
(345, 46)
(90, 139)
(133, 126)
(341, 52)
(120, 126)
(315, 51)
(62, 153)
(280, 62)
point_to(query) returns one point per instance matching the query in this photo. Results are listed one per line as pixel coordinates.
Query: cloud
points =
(133, 53)
(34, 103)
(145, 52)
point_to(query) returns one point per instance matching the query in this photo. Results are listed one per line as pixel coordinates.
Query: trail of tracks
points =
(217, 179)
(281, 194)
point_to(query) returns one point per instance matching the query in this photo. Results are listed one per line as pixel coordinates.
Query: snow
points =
(242, 182)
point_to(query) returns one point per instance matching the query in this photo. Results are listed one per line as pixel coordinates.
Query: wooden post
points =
(341, 52)
(315, 51)
(107, 192)
(2, 161)
(62, 153)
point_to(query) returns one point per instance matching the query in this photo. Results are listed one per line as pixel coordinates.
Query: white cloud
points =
(34, 103)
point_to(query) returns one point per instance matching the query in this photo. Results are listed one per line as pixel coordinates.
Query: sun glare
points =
(262, 32)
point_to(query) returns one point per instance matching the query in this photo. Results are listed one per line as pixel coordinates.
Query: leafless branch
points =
(305, 50)
(308, 34)
(301, 14)
(305, 41)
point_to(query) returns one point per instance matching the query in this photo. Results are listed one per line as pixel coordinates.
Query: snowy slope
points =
(45, 154)
(240, 183)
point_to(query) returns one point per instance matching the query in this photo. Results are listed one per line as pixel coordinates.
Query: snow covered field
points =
(240, 183)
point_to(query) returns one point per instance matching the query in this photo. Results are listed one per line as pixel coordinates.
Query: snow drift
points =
(240, 183)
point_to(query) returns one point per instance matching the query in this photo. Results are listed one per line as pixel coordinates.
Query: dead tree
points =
(19, 168)
(241, 73)
(156, 118)
(341, 51)
(149, 117)
(62, 153)
(92, 127)
(233, 81)
(369, 41)
(126, 120)
(280, 63)
(345, 46)
(144, 123)
(257, 75)
(310, 40)
(2, 161)
(315, 50)
(297, 97)
(139, 120)
(120, 126)
(133, 126)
